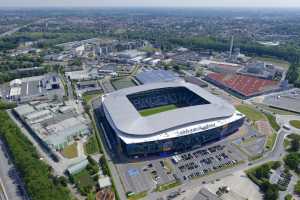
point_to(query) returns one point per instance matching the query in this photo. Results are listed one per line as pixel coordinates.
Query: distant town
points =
(150, 104)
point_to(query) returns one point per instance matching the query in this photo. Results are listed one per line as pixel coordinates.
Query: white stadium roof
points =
(132, 127)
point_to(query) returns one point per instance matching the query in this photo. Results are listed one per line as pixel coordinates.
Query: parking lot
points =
(145, 176)
(205, 161)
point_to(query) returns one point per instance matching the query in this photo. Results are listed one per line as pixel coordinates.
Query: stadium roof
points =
(129, 121)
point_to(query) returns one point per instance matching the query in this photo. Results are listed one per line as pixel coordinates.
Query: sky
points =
(149, 3)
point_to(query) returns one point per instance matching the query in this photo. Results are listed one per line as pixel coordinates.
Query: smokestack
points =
(231, 47)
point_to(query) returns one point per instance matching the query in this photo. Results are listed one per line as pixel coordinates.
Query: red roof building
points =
(244, 85)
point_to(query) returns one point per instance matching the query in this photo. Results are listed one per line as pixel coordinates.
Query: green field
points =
(271, 141)
(70, 151)
(122, 83)
(167, 186)
(295, 123)
(137, 196)
(88, 97)
(250, 112)
(91, 146)
(152, 111)
(272, 121)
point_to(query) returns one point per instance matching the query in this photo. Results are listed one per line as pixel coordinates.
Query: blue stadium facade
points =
(200, 118)
(182, 143)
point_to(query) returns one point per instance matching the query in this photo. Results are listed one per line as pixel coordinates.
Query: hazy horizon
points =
(152, 3)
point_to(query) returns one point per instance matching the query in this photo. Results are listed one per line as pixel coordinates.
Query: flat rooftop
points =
(288, 100)
(159, 75)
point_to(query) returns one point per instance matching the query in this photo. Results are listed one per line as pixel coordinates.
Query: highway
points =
(10, 32)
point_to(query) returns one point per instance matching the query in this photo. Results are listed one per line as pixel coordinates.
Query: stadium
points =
(166, 117)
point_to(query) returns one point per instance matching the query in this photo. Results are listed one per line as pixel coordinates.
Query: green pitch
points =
(152, 111)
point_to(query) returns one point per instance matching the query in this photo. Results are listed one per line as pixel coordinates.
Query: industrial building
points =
(261, 70)
(180, 116)
(53, 125)
(48, 86)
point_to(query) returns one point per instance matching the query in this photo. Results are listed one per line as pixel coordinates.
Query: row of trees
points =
(260, 176)
(12, 67)
(39, 181)
(292, 160)
(293, 74)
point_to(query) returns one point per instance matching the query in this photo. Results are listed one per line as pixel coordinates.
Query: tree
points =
(288, 197)
(104, 166)
(39, 182)
(262, 172)
(176, 67)
(292, 160)
(63, 181)
(297, 188)
(276, 165)
(295, 145)
(293, 73)
(199, 72)
(272, 192)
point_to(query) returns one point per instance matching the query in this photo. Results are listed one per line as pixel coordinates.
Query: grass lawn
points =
(137, 196)
(88, 97)
(70, 151)
(122, 83)
(83, 179)
(152, 111)
(91, 146)
(167, 186)
(272, 121)
(286, 143)
(250, 112)
(295, 123)
(271, 141)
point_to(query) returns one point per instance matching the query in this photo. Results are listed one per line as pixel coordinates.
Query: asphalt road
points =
(10, 32)
(114, 173)
(276, 154)
(12, 187)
